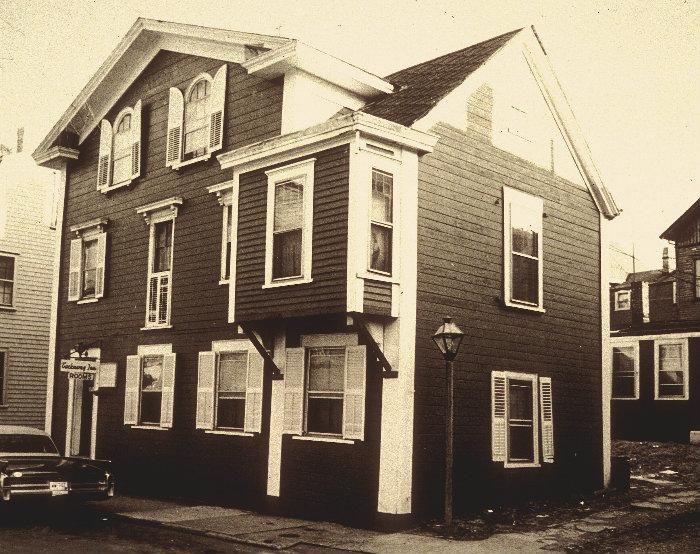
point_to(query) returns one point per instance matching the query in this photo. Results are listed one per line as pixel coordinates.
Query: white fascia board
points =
(367, 125)
(334, 70)
(56, 156)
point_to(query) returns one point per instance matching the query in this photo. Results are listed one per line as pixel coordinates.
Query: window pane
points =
(671, 390)
(520, 446)
(233, 371)
(163, 246)
(381, 248)
(150, 407)
(230, 412)
(325, 415)
(152, 379)
(5, 293)
(525, 279)
(7, 267)
(286, 254)
(623, 386)
(520, 421)
(124, 125)
(196, 124)
(623, 359)
(326, 369)
(382, 184)
(670, 378)
(525, 225)
(288, 206)
(670, 357)
(520, 400)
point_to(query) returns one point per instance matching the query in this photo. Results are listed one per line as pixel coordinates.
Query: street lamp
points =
(448, 337)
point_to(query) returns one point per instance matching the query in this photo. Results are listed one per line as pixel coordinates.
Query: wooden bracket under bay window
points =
(264, 352)
(361, 324)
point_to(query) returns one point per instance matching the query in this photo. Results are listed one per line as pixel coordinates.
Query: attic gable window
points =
(622, 300)
(119, 160)
(196, 119)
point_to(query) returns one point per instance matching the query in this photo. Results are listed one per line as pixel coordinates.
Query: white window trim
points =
(3, 387)
(392, 166)
(685, 368)
(635, 346)
(225, 196)
(86, 232)
(535, 419)
(143, 350)
(158, 212)
(13, 306)
(536, 204)
(126, 182)
(619, 293)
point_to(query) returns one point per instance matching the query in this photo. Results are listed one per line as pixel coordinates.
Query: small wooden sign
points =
(80, 365)
(107, 376)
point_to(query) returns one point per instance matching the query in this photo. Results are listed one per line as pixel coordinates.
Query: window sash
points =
(151, 395)
(522, 434)
(196, 119)
(162, 246)
(622, 300)
(671, 370)
(89, 268)
(624, 379)
(323, 414)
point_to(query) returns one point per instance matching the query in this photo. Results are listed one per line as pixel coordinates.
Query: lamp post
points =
(448, 337)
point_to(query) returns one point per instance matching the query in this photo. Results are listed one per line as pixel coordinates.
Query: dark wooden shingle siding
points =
(661, 305)
(688, 304)
(326, 294)
(377, 297)
(460, 273)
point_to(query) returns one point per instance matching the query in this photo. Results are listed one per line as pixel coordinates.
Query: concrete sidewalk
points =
(297, 535)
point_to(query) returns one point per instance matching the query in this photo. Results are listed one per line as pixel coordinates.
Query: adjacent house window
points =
(7, 280)
(229, 388)
(521, 418)
(522, 218)
(671, 369)
(86, 267)
(622, 300)
(119, 160)
(324, 388)
(625, 372)
(381, 221)
(150, 387)
(289, 224)
(195, 119)
(3, 373)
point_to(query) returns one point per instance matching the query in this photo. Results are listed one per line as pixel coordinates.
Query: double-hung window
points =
(522, 239)
(671, 369)
(522, 419)
(150, 387)
(625, 371)
(324, 388)
(382, 217)
(229, 388)
(119, 160)
(7, 280)
(622, 300)
(289, 224)
(86, 267)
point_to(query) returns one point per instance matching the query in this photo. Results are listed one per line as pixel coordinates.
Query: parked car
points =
(30, 465)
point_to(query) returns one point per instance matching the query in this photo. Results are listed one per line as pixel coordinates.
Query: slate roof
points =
(422, 86)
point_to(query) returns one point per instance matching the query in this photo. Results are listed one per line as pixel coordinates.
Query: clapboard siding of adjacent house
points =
(24, 328)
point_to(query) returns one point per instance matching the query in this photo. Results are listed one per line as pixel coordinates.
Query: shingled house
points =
(655, 344)
(259, 239)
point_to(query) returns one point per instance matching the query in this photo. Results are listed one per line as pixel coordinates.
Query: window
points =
(625, 372)
(119, 160)
(622, 300)
(521, 419)
(160, 216)
(7, 280)
(671, 365)
(522, 216)
(195, 119)
(674, 292)
(3, 373)
(86, 267)
(229, 388)
(228, 240)
(324, 388)
(289, 224)
(697, 278)
(150, 387)
(381, 221)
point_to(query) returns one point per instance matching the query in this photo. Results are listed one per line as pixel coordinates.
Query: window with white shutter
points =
(86, 266)
(149, 390)
(196, 119)
(547, 419)
(119, 160)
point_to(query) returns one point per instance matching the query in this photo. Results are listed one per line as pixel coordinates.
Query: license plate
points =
(58, 488)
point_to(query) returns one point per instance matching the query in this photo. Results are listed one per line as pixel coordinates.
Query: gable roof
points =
(677, 226)
(648, 276)
(423, 85)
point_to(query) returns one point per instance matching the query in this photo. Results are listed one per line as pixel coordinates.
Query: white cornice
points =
(55, 156)
(168, 207)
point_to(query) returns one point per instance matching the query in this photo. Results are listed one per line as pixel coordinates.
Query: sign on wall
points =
(83, 369)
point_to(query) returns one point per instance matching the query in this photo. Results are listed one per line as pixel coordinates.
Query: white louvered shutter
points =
(206, 375)
(547, 419)
(131, 390)
(74, 269)
(168, 394)
(254, 393)
(176, 106)
(136, 141)
(101, 256)
(354, 398)
(294, 392)
(104, 161)
(498, 416)
(216, 110)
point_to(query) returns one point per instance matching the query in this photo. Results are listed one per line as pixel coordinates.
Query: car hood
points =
(53, 465)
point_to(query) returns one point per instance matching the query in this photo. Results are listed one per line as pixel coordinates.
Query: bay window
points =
(381, 225)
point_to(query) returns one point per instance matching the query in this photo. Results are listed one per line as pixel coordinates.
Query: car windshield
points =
(26, 444)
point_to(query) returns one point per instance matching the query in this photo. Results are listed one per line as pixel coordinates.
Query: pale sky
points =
(631, 71)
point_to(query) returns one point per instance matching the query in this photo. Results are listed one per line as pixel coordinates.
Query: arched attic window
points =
(119, 160)
(122, 149)
(196, 121)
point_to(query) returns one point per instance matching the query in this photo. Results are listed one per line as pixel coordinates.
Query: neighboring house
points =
(27, 237)
(655, 343)
(260, 239)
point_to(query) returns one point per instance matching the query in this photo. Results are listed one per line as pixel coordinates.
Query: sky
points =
(631, 71)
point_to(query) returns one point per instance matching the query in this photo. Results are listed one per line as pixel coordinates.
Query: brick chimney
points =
(20, 139)
(664, 260)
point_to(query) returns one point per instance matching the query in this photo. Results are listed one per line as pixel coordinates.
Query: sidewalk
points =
(297, 535)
